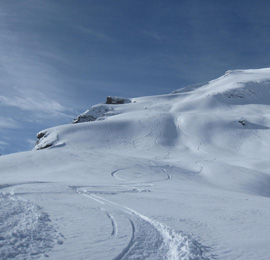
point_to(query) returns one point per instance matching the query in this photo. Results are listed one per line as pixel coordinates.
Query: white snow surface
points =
(178, 176)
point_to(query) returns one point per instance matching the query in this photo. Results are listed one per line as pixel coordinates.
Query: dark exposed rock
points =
(40, 135)
(82, 118)
(117, 100)
(242, 122)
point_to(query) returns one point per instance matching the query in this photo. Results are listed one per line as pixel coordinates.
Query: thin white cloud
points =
(33, 104)
(8, 123)
(3, 143)
(30, 63)
(152, 34)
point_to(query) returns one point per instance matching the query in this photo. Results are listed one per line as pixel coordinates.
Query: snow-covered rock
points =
(96, 112)
(101, 111)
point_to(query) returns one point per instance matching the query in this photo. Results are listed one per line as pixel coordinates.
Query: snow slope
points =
(178, 176)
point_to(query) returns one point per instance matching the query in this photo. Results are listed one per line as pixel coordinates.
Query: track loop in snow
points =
(138, 174)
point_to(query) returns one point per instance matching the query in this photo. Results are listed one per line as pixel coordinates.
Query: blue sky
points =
(58, 58)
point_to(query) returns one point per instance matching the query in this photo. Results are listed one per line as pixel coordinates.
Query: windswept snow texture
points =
(178, 176)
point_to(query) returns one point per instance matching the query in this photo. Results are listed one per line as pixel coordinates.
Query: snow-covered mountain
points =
(178, 176)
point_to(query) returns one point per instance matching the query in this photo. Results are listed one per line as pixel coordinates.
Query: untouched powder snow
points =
(178, 176)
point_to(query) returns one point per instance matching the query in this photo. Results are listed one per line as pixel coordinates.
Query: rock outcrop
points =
(98, 112)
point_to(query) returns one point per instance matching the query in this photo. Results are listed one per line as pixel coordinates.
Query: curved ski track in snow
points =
(131, 242)
(113, 174)
(135, 142)
(162, 169)
(151, 239)
(113, 222)
(199, 149)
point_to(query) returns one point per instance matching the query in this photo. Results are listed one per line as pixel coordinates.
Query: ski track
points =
(113, 174)
(114, 225)
(151, 239)
(113, 222)
(168, 176)
(159, 135)
(131, 242)
(134, 143)
(199, 149)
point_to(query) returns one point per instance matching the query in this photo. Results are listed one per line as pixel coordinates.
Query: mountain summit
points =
(177, 176)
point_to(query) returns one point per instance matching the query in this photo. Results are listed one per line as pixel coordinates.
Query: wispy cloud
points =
(33, 104)
(8, 123)
(3, 143)
(28, 67)
(152, 34)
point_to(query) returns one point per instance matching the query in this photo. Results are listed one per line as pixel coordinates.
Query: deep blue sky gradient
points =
(58, 58)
